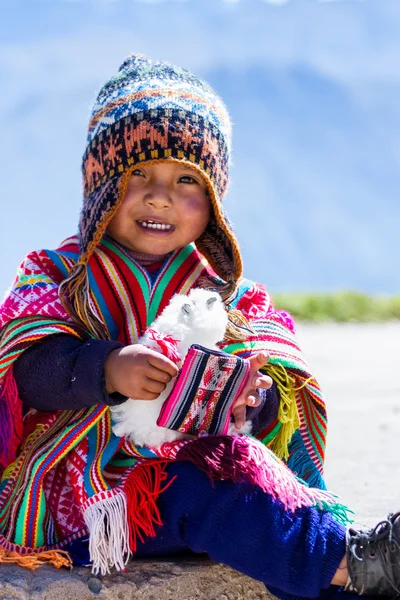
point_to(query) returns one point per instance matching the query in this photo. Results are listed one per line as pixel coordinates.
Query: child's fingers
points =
(258, 360)
(157, 374)
(163, 363)
(262, 381)
(144, 395)
(253, 399)
(150, 385)
(239, 414)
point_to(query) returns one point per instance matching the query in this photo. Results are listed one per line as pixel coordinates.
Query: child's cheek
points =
(197, 206)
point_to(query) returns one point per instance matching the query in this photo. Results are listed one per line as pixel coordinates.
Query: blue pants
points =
(293, 554)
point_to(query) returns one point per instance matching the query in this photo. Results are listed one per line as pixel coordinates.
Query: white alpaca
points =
(199, 318)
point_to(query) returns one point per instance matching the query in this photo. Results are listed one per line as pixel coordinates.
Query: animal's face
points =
(204, 310)
(201, 303)
(199, 317)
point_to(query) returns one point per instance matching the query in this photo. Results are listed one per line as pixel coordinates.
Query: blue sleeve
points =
(62, 372)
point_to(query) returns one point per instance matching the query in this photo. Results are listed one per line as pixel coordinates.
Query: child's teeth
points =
(155, 225)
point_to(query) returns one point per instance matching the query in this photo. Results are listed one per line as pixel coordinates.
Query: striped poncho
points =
(66, 475)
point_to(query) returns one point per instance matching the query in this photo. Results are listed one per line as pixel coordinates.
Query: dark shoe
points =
(373, 559)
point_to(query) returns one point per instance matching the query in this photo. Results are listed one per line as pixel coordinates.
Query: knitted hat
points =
(153, 111)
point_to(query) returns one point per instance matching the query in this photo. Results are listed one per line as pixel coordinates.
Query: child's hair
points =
(149, 112)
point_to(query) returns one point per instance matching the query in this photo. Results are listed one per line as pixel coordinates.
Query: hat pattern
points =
(153, 111)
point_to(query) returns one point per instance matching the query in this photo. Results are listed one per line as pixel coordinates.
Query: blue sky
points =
(313, 88)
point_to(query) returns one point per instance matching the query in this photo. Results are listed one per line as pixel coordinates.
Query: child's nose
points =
(158, 197)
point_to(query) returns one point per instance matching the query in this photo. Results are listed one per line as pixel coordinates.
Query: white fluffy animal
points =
(198, 318)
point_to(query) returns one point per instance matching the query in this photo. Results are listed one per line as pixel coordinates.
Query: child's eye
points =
(137, 172)
(187, 179)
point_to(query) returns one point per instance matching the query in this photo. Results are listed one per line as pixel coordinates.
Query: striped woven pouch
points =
(206, 388)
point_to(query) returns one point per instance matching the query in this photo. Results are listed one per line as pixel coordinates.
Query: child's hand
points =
(138, 372)
(249, 395)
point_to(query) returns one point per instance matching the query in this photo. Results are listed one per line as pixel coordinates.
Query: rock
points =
(94, 585)
(177, 579)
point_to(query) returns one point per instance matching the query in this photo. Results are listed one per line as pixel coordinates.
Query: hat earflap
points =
(74, 291)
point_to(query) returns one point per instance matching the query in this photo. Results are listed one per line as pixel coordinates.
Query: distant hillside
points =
(315, 180)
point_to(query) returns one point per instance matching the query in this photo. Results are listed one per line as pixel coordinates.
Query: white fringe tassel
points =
(107, 522)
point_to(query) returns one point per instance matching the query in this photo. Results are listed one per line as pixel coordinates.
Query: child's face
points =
(172, 195)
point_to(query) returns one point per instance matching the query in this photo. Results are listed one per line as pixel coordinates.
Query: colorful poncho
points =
(66, 475)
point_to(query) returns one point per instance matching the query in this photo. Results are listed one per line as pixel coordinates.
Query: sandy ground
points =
(358, 367)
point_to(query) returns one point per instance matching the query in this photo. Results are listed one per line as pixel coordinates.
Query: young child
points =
(155, 171)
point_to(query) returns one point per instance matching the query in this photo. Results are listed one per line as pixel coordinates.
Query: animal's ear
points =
(186, 309)
(210, 302)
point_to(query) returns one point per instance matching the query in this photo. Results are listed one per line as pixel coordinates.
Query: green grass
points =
(340, 307)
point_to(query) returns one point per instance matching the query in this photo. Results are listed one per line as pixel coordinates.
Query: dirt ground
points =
(358, 367)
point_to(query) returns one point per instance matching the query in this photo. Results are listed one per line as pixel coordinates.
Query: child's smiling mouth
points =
(155, 227)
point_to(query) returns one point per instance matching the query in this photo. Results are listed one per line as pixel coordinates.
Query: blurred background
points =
(313, 88)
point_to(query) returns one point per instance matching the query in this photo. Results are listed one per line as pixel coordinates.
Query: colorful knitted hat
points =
(152, 111)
